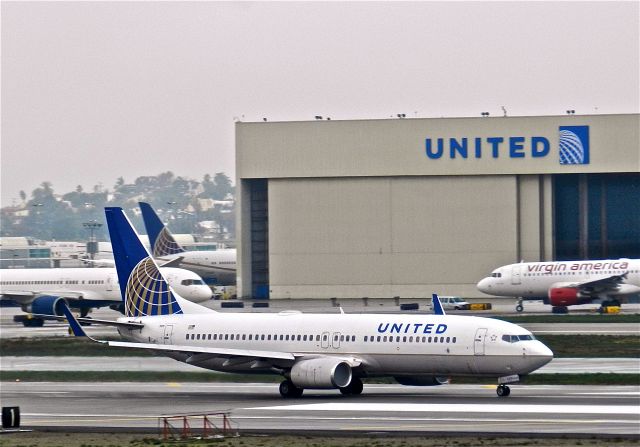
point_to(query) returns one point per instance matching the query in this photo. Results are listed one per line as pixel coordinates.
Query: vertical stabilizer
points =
(437, 305)
(160, 238)
(144, 290)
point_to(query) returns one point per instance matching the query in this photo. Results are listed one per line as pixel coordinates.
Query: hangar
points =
(406, 207)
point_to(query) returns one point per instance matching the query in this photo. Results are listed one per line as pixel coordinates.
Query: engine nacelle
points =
(421, 380)
(46, 305)
(565, 296)
(321, 373)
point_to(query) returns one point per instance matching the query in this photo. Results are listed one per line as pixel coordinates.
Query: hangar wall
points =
(385, 237)
(357, 208)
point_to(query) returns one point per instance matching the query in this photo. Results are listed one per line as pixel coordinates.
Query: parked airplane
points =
(42, 291)
(566, 283)
(217, 264)
(314, 351)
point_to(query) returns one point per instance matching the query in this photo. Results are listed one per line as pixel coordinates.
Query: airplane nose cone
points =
(540, 355)
(484, 285)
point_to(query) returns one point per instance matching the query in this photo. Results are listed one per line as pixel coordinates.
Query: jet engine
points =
(565, 296)
(324, 372)
(46, 305)
(421, 380)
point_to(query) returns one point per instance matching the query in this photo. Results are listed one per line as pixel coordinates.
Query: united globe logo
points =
(574, 145)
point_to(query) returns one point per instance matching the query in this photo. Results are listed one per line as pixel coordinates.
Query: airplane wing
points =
(171, 263)
(602, 285)
(25, 296)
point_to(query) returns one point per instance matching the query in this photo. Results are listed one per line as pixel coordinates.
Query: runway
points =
(158, 364)
(558, 410)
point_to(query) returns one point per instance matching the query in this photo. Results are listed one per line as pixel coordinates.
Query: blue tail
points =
(143, 289)
(437, 305)
(161, 240)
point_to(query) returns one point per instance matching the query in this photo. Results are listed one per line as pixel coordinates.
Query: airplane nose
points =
(540, 355)
(484, 285)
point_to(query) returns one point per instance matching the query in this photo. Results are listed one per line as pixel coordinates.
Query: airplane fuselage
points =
(91, 284)
(536, 279)
(217, 264)
(391, 345)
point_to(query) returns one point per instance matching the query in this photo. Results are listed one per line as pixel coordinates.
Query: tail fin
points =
(161, 240)
(144, 290)
(437, 305)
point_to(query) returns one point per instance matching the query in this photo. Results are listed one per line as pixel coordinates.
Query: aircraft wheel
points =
(503, 391)
(354, 387)
(289, 390)
(33, 322)
(519, 307)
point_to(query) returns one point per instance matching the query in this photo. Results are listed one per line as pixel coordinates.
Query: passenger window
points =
(384, 338)
(398, 338)
(365, 338)
(304, 338)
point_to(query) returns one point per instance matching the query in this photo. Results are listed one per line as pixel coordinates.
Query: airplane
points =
(566, 283)
(219, 264)
(311, 351)
(42, 291)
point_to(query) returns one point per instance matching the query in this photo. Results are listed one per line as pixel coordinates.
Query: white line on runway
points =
(452, 419)
(461, 408)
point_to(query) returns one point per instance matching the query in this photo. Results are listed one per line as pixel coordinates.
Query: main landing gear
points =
(503, 391)
(288, 390)
(354, 387)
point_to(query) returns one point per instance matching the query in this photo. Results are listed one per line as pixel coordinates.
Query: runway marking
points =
(461, 408)
(450, 419)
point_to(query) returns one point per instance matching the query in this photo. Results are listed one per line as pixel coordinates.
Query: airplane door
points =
(112, 280)
(168, 332)
(515, 274)
(335, 340)
(325, 340)
(478, 342)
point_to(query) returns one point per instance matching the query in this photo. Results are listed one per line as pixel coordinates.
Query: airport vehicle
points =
(42, 291)
(566, 283)
(312, 351)
(453, 302)
(218, 266)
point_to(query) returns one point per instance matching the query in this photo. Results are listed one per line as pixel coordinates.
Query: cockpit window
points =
(496, 275)
(192, 282)
(517, 338)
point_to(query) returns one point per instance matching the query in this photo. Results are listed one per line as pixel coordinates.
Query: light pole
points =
(92, 244)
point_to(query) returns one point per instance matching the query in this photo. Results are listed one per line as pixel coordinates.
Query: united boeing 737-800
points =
(42, 291)
(566, 283)
(219, 265)
(311, 351)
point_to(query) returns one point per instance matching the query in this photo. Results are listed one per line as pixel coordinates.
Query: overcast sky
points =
(94, 91)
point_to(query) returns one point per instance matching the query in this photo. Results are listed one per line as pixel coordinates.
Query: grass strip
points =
(174, 376)
(568, 318)
(563, 346)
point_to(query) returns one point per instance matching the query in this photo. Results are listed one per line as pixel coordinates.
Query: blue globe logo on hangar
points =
(574, 145)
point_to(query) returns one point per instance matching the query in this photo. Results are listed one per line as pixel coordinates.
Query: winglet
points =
(73, 323)
(437, 306)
